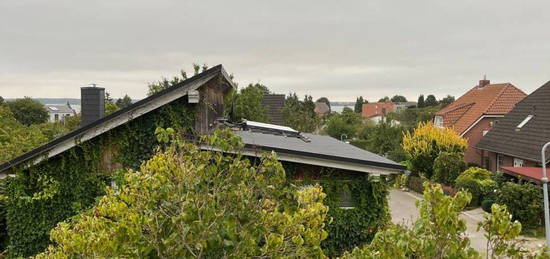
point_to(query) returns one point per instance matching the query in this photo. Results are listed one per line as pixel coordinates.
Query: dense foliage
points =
(187, 203)
(447, 167)
(383, 139)
(358, 107)
(16, 138)
(426, 142)
(45, 194)
(247, 103)
(300, 115)
(478, 182)
(440, 233)
(524, 201)
(344, 125)
(28, 111)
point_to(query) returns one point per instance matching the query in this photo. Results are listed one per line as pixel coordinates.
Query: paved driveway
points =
(403, 210)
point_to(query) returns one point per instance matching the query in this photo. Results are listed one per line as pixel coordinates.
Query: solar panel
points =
(53, 108)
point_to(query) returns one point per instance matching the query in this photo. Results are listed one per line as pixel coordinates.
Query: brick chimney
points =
(483, 82)
(92, 101)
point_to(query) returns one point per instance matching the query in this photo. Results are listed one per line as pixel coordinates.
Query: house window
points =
(56, 117)
(438, 121)
(499, 162)
(345, 200)
(518, 162)
(522, 123)
(484, 132)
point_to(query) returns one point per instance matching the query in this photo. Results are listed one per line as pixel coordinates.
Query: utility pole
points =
(545, 190)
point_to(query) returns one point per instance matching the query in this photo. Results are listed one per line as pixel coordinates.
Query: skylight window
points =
(527, 119)
(53, 108)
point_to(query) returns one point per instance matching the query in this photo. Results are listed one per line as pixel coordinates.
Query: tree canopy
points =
(358, 108)
(28, 111)
(446, 101)
(398, 98)
(123, 102)
(431, 100)
(324, 100)
(421, 102)
(300, 115)
(248, 103)
(385, 99)
(346, 123)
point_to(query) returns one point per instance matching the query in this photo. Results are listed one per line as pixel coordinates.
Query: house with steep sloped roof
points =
(475, 113)
(80, 164)
(58, 113)
(514, 145)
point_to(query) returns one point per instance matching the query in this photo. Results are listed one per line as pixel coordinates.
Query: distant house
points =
(474, 114)
(377, 111)
(274, 104)
(58, 113)
(514, 144)
(322, 109)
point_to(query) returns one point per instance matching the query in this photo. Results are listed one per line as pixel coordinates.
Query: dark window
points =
(345, 199)
(56, 117)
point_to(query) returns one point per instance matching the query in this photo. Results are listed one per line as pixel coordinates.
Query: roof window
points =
(527, 119)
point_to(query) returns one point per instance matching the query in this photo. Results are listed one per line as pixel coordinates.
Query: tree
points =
(28, 111)
(300, 115)
(421, 103)
(412, 116)
(385, 99)
(398, 98)
(446, 101)
(248, 103)
(383, 139)
(186, 203)
(1, 100)
(347, 123)
(16, 138)
(123, 102)
(431, 100)
(426, 142)
(324, 100)
(359, 104)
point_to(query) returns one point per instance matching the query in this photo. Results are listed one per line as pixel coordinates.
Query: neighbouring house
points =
(79, 164)
(321, 109)
(274, 104)
(514, 145)
(58, 113)
(474, 113)
(376, 112)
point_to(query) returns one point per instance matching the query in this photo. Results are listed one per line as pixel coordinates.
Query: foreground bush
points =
(525, 202)
(478, 182)
(185, 203)
(439, 233)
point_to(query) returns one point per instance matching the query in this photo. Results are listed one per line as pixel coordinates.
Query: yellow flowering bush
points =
(423, 145)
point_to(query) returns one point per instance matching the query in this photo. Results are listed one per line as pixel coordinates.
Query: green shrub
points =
(524, 201)
(447, 167)
(478, 182)
(486, 205)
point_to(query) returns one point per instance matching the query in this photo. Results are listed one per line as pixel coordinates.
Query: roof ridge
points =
(497, 97)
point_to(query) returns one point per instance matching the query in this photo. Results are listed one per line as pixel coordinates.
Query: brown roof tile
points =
(494, 99)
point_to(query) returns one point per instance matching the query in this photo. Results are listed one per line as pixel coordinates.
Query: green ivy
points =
(42, 195)
(348, 228)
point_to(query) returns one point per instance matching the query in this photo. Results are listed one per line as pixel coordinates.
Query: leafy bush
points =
(426, 142)
(185, 203)
(524, 201)
(347, 123)
(416, 183)
(447, 167)
(486, 205)
(478, 182)
(440, 233)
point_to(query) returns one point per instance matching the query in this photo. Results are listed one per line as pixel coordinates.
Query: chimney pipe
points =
(92, 100)
(484, 82)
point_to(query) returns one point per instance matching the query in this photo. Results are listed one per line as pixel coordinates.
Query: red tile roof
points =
(528, 173)
(492, 99)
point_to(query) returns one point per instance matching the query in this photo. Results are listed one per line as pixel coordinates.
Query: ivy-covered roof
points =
(118, 118)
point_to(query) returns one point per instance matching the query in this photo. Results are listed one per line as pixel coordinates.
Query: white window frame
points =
(518, 162)
(438, 121)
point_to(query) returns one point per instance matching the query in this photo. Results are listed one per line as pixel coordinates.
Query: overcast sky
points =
(338, 49)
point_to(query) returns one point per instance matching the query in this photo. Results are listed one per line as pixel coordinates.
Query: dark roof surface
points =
(318, 146)
(274, 104)
(526, 143)
(40, 150)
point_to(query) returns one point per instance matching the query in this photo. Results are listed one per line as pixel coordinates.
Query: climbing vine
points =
(42, 195)
(347, 227)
